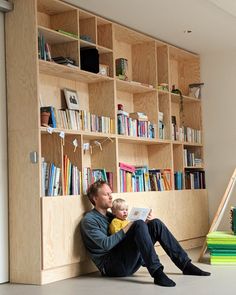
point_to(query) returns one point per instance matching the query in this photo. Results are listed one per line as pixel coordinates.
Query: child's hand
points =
(150, 216)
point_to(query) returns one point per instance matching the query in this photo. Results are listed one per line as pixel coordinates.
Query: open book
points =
(138, 213)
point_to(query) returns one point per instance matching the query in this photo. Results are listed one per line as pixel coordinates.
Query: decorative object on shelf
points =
(86, 38)
(66, 61)
(195, 90)
(52, 120)
(72, 99)
(163, 87)
(103, 70)
(68, 33)
(122, 68)
(177, 91)
(45, 118)
(89, 59)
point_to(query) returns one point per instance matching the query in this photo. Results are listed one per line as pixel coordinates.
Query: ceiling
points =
(213, 22)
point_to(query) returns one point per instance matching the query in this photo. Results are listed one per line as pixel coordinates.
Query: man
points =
(122, 253)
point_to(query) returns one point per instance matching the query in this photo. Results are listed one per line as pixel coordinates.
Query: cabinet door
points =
(61, 239)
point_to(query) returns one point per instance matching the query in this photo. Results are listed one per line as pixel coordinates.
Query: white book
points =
(138, 213)
(56, 181)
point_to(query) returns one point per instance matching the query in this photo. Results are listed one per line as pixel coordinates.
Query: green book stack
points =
(222, 247)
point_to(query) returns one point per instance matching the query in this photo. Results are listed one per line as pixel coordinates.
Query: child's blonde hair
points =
(117, 204)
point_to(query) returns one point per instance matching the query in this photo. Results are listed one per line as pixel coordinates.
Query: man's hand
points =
(127, 227)
(149, 217)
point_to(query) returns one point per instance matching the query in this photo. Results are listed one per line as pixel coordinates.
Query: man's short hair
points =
(94, 188)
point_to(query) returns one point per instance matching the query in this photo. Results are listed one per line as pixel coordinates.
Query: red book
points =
(127, 167)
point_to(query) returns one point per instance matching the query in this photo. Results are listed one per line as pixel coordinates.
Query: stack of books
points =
(72, 178)
(51, 179)
(134, 124)
(222, 247)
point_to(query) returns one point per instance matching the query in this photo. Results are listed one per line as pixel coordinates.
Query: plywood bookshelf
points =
(45, 243)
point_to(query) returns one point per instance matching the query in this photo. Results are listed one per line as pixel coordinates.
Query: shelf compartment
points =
(104, 158)
(87, 25)
(60, 219)
(140, 51)
(145, 102)
(104, 33)
(58, 15)
(66, 72)
(184, 69)
(162, 53)
(164, 107)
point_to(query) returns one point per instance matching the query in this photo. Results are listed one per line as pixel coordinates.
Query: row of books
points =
(190, 159)
(134, 126)
(186, 134)
(195, 180)
(72, 178)
(44, 51)
(78, 120)
(140, 179)
(51, 179)
(92, 175)
(178, 179)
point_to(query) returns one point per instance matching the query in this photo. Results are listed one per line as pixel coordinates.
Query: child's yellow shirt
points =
(117, 224)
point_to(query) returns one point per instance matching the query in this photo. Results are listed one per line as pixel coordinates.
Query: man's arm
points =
(92, 231)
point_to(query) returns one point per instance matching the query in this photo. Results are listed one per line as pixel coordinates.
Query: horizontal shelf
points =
(132, 87)
(163, 92)
(176, 98)
(101, 49)
(72, 73)
(140, 140)
(61, 197)
(86, 134)
(187, 143)
(193, 167)
(54, 37)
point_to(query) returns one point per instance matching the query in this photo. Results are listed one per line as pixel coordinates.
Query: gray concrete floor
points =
(223, 279)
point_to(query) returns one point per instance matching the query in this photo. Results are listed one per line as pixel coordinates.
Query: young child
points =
(120, 210)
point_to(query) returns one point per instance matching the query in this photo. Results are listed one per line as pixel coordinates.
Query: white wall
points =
(219, 119)
(3, 163)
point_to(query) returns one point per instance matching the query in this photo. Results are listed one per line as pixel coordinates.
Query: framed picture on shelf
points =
(72, 99)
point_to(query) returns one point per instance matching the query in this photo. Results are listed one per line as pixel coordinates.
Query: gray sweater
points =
(95, 234)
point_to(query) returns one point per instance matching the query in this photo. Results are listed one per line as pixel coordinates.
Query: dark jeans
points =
(138, 247)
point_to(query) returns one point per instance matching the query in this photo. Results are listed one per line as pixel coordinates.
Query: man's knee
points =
(139, 224)
(157, 222)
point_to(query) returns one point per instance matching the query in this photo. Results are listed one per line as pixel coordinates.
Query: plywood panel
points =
(101, 99)
(160, 156)
(62, 242)
(66, 21)
(184, 212)
(147, 103)
(44, 19)
(126, 99)
(134, 154)
(178, 157)
(164, 107)
(104, 34)
(87, 26)
(162, 65)
(174, 77)
(144, 63)
(23, 138)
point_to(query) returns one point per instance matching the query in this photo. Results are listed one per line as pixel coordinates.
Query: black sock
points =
(193, 270)
(161, 279)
